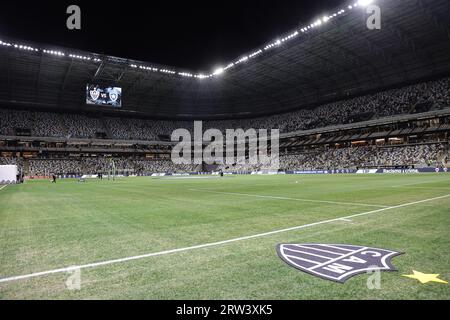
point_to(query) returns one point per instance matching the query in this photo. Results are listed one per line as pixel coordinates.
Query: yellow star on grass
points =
(425, 278)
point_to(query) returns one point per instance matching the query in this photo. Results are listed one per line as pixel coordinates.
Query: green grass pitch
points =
(46, 226)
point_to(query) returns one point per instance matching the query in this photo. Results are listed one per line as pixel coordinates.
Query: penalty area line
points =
(212, 244)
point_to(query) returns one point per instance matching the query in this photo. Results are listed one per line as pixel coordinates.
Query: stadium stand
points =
(420, 98)
(325, 158)
(365, 157)
(330, 136)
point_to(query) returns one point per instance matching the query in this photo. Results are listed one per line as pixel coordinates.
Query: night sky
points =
(197, 35)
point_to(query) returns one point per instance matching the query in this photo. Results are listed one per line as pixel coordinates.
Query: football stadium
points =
(313, 166)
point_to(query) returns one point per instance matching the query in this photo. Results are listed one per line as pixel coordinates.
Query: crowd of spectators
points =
(243, 167)
(11, 161)
(97, 165)
(54, 166)
(366, 157)
(411, 99)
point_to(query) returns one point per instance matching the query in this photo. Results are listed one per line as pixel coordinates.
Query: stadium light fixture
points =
(202, 76)
(364, 2)
(54, 53)
(231, 65)
(218, 71)
(254, 54)
(79, 57)
(6, 44)
(18, 46)
(243, 59)
(186, 74)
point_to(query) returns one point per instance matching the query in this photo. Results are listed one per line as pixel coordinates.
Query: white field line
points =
(418, 183)
(1, 188)
(208, 245)
(291, 199)
(427, 188)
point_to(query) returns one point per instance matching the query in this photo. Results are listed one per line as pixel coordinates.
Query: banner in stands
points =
(403, 171)
(343, 171)
(37, 177)
(8, 174)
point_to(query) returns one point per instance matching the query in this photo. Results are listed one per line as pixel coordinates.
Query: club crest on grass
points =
(336, 262)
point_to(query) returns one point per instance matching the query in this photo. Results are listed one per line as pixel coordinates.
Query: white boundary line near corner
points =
(291, 199)
(207, 245)
(1, 188)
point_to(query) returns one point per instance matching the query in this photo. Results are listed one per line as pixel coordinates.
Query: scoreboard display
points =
(104, 96)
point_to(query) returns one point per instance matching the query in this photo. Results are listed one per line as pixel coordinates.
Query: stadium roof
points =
(334, 57)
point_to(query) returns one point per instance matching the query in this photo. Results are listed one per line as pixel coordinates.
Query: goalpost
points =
(111, 170)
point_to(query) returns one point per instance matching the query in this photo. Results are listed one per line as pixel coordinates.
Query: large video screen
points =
(104, 96)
